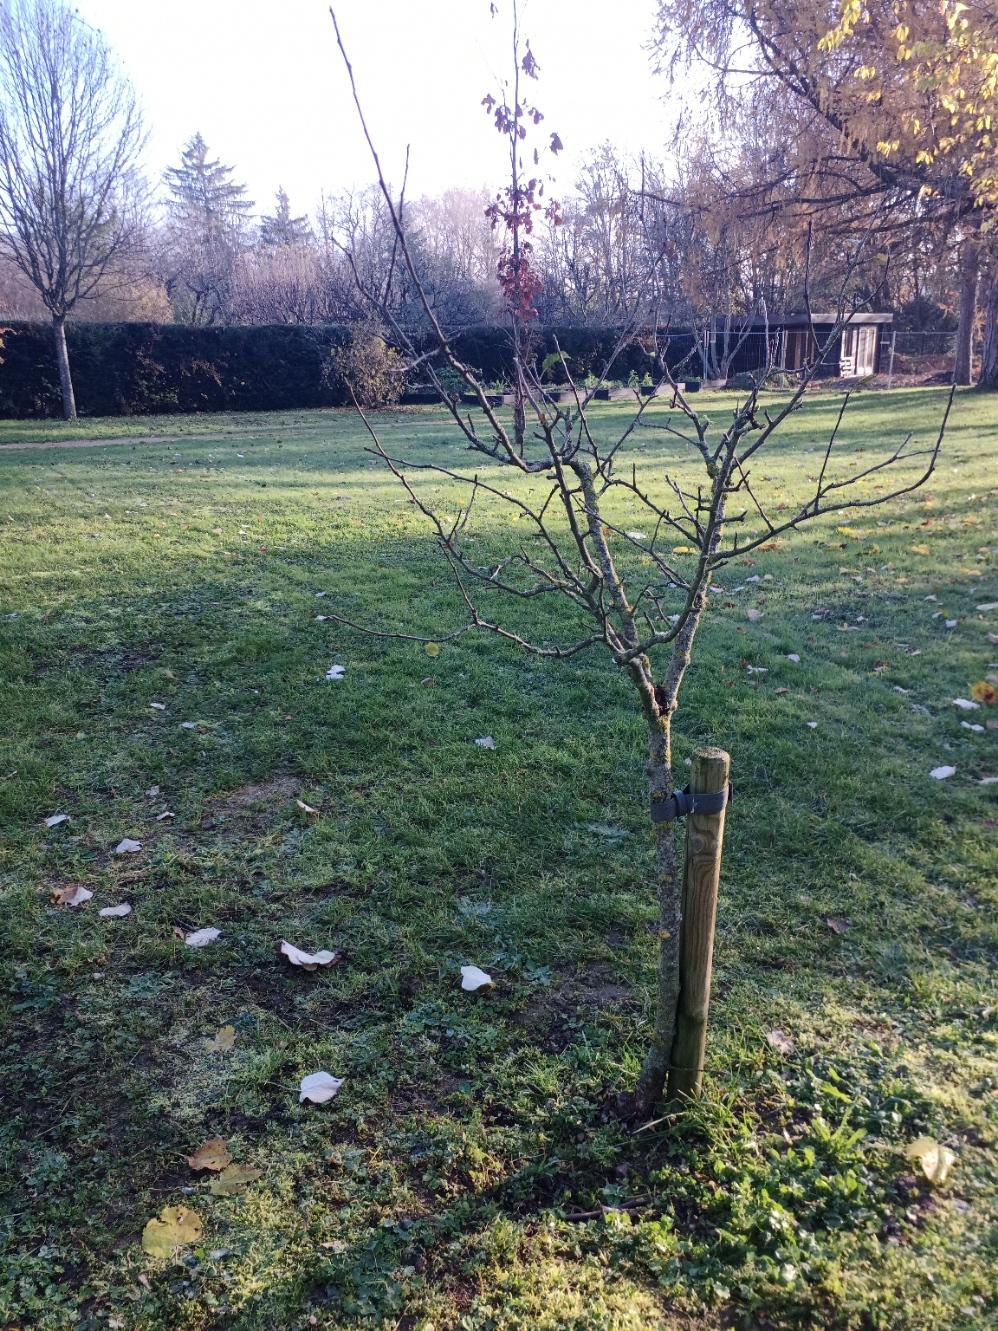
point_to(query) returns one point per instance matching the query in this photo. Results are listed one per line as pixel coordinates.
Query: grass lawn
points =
(459, 1179)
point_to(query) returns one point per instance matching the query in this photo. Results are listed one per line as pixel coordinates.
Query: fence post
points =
(890, 363)
(701, 874)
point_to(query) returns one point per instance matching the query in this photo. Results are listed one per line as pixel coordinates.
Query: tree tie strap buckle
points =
(682, 802)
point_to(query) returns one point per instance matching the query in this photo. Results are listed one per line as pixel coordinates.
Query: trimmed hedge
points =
(134, 369)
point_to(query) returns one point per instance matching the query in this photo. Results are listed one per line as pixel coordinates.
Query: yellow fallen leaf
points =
(850, 531)
(177, 1227)
(936, 1161)
(683, 550)
(212, 1154)
(233, 1179)
(919, 549)
(982, 691)
(225, 1038)
(432, 649)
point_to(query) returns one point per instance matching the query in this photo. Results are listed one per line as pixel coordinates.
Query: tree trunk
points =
(989, 361)
(668, 888)
(970, 263)
(62, 360)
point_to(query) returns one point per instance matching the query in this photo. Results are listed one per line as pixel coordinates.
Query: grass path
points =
(470, 1173)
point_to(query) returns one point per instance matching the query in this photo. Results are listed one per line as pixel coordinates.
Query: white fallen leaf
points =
(152, 792)
(899, 689)
(126, 846)
(113, 912)
(941, 773)
(74, 895)
(159, 706)
(56, 818)
(473, 978)
(306, 808)
(336, 672)
(987, 780)
(952, 623)
(792, 656)
(757, 670)
(936, 1161)
(188, 725)
(202, 937)
(309, 960)
(754, 578)
(969, 725)
(780, 1042)
(321, 619)
(319, 1087)
(752, 615)
(161, 817)
(486, 742)
(811, 725)
(985, 606)
(636, 535)
(320, 593)
(966, 705)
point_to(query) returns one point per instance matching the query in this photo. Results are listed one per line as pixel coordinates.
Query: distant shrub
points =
(368, 366)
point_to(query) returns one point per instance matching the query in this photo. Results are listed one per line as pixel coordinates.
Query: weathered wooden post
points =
(702, 871)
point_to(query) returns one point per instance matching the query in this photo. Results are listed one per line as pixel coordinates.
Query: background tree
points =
(207, 216)
(281, 228)
(70, 136)
(907, 88)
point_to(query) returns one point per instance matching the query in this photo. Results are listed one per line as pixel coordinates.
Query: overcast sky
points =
(263, 82)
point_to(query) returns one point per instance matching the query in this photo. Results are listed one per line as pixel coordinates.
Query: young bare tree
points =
(70, 135)
(638, 598)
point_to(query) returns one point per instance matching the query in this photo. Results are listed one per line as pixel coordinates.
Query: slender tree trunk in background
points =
(989, 361)
(970, 263)
(65, 378)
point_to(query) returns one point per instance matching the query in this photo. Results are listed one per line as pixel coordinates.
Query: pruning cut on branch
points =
(639, 599)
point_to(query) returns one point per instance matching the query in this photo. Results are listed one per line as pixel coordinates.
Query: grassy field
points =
(471, 1172)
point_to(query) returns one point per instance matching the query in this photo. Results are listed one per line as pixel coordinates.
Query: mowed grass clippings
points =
(470, 1172)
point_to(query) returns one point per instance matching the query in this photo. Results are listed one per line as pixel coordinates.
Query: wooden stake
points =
(702, 872)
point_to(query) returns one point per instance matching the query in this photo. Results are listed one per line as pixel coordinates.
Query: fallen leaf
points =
(176, 1227)
(838, 926)
(161, 817)
(306, 808)
(473, 978)
(985, 606)
(212, 1154)
(321, 619)
(486, 742)
(941, 773)
(152, 792)
(233, 1179)
(309, 961)
(126, 846)
(952, 623)
(936, 1161)
(983, 691)
(966, 705)
(223, 1039)
(969, 725)
(792, 656)
(202, 937)
(432, 648)
(56, 818)
(919, 549)
(158, 706)
(73, 895)
(780, 1042)
(811, 725)
(336, 672)
(753, 615)
(115, 912)
(319, 1087)
(683, 550)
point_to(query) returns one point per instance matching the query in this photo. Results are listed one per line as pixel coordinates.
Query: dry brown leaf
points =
(838, 926)
(224, 1038)
(212, 1154)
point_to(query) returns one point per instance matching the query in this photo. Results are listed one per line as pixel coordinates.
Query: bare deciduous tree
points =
(639, 598)
(70, 134)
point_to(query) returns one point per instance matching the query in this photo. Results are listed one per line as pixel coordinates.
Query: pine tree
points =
(283, 229)
(204, 195)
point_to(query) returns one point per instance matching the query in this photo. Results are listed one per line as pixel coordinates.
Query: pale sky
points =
(263, 82)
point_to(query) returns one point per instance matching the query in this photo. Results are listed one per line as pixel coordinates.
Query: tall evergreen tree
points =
(281, 228)
(208, 214)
